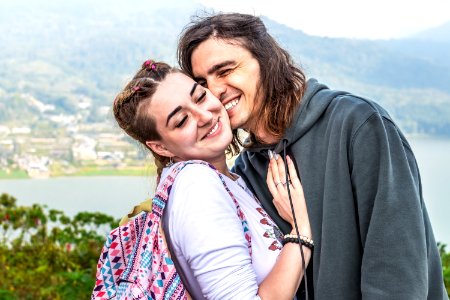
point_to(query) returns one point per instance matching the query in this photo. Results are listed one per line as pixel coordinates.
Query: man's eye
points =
(181, 122)
(201, 97)
(203, 83)
(224, 72)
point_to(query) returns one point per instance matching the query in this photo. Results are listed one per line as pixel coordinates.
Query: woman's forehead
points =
(173, 91)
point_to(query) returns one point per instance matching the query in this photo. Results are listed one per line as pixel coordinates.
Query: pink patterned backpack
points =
(135, 262)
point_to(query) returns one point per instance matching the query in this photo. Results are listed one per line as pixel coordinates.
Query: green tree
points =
(45, 254)
(445, 259)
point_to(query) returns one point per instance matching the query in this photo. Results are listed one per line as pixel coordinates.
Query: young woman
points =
(179, 120)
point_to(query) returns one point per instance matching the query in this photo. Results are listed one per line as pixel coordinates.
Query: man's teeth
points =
(214, 129)
(231, 104)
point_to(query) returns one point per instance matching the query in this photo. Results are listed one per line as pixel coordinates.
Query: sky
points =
(367, 19)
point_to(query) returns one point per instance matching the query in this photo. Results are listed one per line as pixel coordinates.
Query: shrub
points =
(45, 254)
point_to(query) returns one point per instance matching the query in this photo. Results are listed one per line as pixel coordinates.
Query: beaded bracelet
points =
(293, 238)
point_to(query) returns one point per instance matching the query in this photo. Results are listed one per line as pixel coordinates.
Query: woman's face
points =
(192, 123)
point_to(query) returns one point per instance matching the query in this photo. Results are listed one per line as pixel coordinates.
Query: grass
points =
(128, 171)
(86, 171)
(14, 174)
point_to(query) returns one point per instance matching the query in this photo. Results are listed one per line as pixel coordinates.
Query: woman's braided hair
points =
(131, 104)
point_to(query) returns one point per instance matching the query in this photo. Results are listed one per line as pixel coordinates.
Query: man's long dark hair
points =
(281, 83)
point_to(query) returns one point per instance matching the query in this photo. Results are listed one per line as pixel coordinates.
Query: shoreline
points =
(145, 170)
(87, 172)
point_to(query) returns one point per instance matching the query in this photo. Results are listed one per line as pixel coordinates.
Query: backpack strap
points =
(162, 196)
(140, 242)
(240, 213)
(137, 209)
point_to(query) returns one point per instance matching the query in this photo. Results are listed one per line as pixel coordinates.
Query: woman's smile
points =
(215, 130)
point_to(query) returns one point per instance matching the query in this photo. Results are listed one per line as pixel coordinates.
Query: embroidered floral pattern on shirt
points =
(272, 230)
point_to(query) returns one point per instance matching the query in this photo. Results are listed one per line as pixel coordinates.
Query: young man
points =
(362, 184)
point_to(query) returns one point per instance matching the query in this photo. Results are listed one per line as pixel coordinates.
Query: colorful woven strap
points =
(161, 197)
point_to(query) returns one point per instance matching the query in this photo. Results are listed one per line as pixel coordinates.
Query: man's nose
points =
(217, 88)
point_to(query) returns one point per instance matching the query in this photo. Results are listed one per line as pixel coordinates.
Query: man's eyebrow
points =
(193, 89)
(172, 114)
(219, 66)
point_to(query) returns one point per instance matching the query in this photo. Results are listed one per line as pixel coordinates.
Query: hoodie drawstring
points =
(295, 219)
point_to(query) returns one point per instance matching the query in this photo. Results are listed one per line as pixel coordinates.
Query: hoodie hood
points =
(306, 115)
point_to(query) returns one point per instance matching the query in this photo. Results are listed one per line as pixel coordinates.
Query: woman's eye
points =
(181, 122)
(201, 97)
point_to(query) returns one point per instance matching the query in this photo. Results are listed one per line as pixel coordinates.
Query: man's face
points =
(232, 74)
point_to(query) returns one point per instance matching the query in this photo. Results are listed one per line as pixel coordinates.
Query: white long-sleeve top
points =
(206, 236)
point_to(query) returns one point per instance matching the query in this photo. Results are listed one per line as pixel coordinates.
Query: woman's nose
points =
(204, 116)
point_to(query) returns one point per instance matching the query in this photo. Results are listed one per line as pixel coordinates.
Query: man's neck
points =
(265, 138)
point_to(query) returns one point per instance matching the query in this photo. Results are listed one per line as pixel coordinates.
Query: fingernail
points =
(270, 153)
(288, 159)
(276, 156)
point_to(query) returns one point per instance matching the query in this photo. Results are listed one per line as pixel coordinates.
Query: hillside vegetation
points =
(61, 52)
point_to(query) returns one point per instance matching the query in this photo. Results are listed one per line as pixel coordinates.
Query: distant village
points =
(67, 145)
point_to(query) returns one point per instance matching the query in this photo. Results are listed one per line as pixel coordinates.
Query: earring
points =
(170, 162)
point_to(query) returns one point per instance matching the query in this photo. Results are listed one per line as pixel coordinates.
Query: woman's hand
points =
(276, 181)
(289, 266)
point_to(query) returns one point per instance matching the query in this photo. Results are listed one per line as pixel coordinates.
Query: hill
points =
(62, 53)
(439, 34)
(432, 45)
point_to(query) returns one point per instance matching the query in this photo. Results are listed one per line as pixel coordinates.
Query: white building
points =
(4, 130)
(21, 130)
(84, 148)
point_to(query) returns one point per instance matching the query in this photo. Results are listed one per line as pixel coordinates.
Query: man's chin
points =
(239, 126)
(235, 125)
(238, 123)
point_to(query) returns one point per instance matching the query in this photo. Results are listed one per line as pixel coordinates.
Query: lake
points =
(117, 195)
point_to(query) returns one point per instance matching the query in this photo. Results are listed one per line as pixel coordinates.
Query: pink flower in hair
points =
(147, 63)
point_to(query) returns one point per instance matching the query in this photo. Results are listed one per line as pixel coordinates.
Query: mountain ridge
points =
(60, 56)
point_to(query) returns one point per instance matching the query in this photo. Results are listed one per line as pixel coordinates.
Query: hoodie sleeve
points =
(387, 191)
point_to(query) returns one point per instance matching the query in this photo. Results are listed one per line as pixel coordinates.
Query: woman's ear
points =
(159, 148)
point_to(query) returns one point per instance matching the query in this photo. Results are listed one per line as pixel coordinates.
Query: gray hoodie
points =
(372, 235)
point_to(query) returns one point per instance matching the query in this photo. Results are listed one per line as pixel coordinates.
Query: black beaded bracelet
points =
(304, 240)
